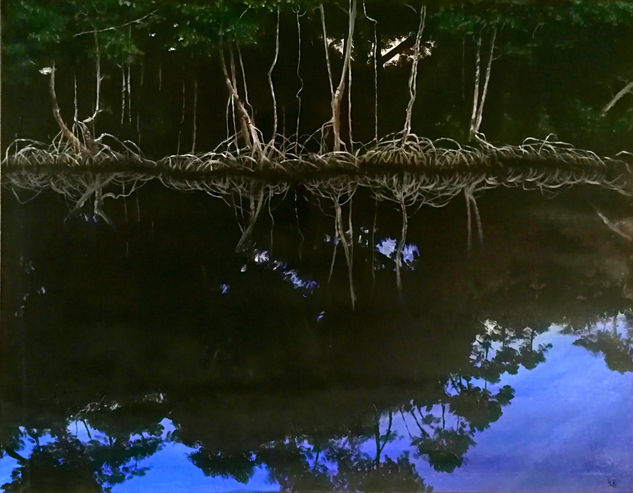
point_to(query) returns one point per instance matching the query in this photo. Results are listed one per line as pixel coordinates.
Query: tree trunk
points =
(413, 77)
(327, 51)
(479, 99)
(194, 117)
(79, 147)
(484, 91)
(300, 90)
(183, 93)
(473, 116)
(249, 131)
(375, 66)
(270, 80)
(340, 89)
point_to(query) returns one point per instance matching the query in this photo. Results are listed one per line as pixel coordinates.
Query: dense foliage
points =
(554, 68)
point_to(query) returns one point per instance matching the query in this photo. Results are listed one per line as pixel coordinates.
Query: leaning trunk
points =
(337, 97)
(79, 147)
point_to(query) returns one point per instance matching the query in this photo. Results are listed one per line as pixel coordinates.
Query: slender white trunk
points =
(340, 89)
(300, 90)
(129, 94)
(375, 63)
(327, 51)
(246, 98)
(349, 107)
(484, 91)
(413, 76)
(249, 130)
(123, 94)
(473, 116)
(98, 76)
(75, 101)
(182, 112)
(194, 117)
(270, 79)
(479, 98)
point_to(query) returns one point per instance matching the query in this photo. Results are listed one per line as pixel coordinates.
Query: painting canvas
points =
(303, 245)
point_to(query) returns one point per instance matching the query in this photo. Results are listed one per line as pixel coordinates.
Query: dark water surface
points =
(142, 352)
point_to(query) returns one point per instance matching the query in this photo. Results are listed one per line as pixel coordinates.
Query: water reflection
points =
(151, 333)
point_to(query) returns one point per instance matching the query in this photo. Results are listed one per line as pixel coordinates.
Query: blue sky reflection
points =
(569, 428)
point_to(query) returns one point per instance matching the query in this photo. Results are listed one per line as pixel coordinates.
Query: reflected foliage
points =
(69, 464)
(257, 357)
(615, 344)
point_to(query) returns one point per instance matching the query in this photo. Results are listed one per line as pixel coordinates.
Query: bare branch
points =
(114, 28)
(408, 42)
(621, 93)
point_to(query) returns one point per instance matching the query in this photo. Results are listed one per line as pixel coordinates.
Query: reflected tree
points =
(615, 344)
(68, 464)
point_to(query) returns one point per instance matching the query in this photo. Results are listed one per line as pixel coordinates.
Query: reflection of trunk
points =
(316, 460)
(471, 207)
(381, 445)
(372, 245)
(249, 131)
(403, 238)
(256, 205)
(337, 96)
(479, 98)
(346, 239)
(14, 455)
(94, 189)
(413, 77)
(624, 229)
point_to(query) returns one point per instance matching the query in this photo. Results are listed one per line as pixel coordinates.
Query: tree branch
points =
(113, 28)
(397, 50)
(621, 93)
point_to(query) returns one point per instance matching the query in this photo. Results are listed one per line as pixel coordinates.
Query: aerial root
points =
(416, 168)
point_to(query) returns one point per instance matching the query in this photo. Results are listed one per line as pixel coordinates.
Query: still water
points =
(255, 336)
